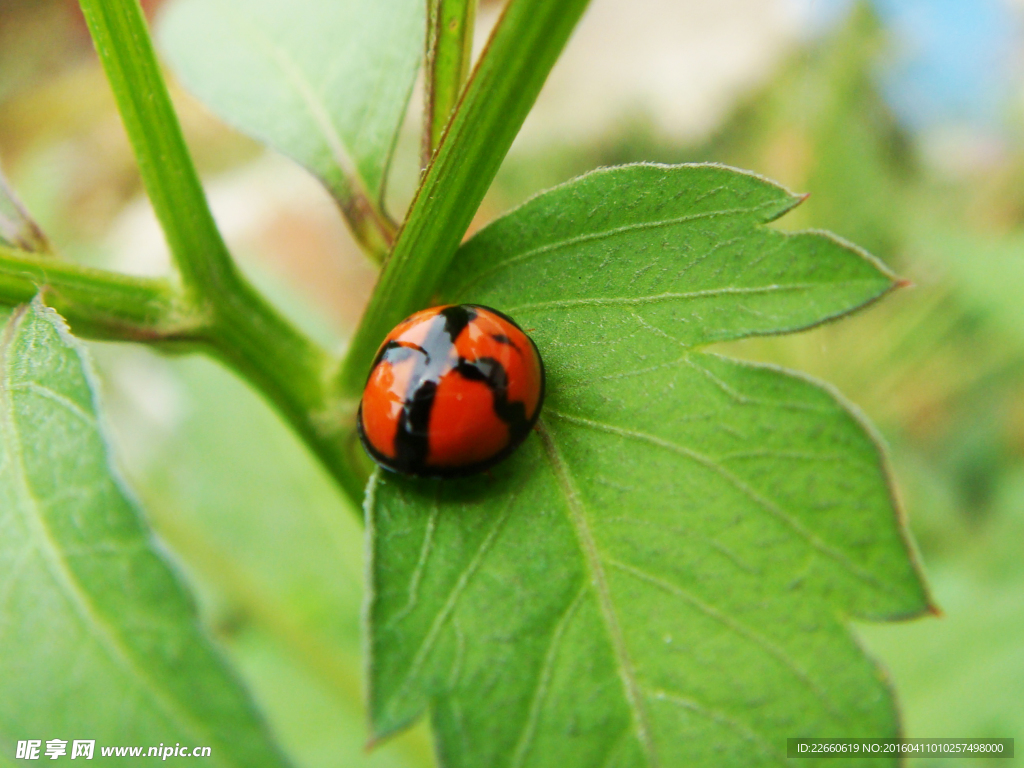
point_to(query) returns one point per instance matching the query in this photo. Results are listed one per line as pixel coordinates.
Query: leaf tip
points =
(380, 734)
(903, 282)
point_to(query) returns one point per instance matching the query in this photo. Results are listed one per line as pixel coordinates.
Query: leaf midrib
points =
(63, 577)
(592, 560)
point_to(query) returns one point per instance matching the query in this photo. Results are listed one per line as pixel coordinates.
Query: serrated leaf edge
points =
(885, 469)
(793, 201)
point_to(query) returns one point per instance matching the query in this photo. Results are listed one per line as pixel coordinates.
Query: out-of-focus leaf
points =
(98, 639)
(964, 672)
(662, 575)
(325, 82)
(17, 229)
(988, 272)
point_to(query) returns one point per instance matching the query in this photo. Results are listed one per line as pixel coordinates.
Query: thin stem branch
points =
(96, 303)
(17, 227)
(372, 228)
(524, 46)
(449, 53)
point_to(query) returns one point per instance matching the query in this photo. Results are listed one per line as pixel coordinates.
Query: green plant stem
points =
(449, 53)
(239, 327)
(505, 82)
(96, 303)
(122, 41)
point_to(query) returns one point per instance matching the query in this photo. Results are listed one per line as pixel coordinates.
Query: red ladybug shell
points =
(453, 390)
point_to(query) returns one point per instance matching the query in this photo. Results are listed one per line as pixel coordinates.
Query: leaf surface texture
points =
(661, 576)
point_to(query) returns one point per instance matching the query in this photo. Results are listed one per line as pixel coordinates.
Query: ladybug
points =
(453, 390)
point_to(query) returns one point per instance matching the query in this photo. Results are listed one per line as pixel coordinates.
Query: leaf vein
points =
(633, 301)
(744, 400)
(343, 158)
(452, 600)
(745, 731)
(760, 501)
(421, 563)
(544, 680)
(603, 235)
(766, 645)
(65, 402)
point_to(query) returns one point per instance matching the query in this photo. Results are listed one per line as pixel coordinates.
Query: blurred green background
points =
(902, 118)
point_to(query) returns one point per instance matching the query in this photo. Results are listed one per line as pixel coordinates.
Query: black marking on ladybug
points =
(456, 318)
(501, 338)
(411, 440)
(493, 374)
(433, 360)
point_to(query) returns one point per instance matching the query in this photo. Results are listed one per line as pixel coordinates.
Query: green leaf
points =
(98, 639)
(17, 229)
(325, 82)
(656, 250)
(662, 574)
